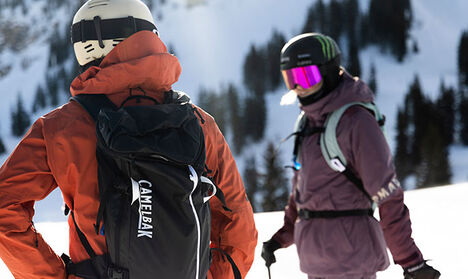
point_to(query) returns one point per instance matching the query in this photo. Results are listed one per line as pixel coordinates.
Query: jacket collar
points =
(349, 90)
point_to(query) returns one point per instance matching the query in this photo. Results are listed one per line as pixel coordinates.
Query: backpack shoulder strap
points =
(302, 130)
(93, 103)
(299, 126)
(331, 150)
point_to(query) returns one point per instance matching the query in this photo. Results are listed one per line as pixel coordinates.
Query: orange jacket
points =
(59, 150)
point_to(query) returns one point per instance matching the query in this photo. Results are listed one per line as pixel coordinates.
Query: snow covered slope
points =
(439, 229)
(211, 41)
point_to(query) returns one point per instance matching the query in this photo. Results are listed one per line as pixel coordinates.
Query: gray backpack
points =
(331, 150)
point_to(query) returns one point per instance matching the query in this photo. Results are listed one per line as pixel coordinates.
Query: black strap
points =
(96, 266)
(235, 269)
(97, 27)
(113, 182)
(93, 103)
(83, 239)
(114, 28)
(382, 121)
(357, 182)
(309, 214)
(219, 194)
(307, 131)
(303, 132)
(86, 269)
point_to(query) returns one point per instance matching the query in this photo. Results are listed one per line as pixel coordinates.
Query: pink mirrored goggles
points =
(305, 77)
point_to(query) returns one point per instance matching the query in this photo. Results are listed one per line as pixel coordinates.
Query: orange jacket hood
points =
(139, 61)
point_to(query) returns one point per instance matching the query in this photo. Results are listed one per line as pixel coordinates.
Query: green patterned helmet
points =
(314, 49)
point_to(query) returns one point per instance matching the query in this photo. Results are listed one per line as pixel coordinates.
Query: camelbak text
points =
(145, 224)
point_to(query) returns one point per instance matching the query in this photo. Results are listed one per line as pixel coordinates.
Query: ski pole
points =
(269, 274)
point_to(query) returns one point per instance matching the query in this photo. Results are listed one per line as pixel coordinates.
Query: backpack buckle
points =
(115, 272)
(337, 165)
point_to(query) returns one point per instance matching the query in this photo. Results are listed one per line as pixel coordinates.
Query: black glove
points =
(268, 249)
(421, 271)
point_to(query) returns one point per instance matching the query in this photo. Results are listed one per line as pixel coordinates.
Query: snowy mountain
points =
(437, 229)
(211, 39)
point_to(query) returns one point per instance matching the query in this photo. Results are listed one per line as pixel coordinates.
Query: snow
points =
(211, 41)
(438, 229)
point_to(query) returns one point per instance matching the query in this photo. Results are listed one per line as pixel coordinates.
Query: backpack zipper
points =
(194, 177)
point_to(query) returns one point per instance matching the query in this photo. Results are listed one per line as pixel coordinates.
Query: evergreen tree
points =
(373, 79)
(235, 118)
(214, 104)
(335, 15)
(354, 65)
(364, 30)
(40, 101)
(273, 51)
(389, 23)
(311, 21)
(415, 46)
(463, 87)
(403, 19)
(351, 17)
(463, 112)
(254, 117)
(403, 160)
(463, 63)
(445, 107)
(2, 146)
(434, 168)
(52, 90)
(418, 111)
(274, 186)
(255, 71)
(60, 47)
(422, 143)
(251, 180)
(322, 15)
(63, 77)
(19, 118)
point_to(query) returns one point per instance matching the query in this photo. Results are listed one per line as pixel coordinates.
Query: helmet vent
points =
(88, 46)
(117, 41)
(89, 50)
(93, 4)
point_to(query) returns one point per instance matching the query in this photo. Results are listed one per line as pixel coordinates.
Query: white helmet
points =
(99, 25)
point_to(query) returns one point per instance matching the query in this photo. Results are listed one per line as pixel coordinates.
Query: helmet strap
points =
(95, 62)
(97, 27)
(109, 29)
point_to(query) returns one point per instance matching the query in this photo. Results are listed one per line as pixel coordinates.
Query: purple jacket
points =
(348, 245)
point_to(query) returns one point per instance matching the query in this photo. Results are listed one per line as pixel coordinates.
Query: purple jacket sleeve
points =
(396, 225)
(371, 159)
(285, 235)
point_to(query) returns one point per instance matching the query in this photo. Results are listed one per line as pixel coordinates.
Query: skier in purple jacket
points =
(329, 214)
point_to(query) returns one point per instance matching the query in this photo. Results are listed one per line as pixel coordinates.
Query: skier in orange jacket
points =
(59, 151)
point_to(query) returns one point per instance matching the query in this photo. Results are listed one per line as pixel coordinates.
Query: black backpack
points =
(154, 192)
